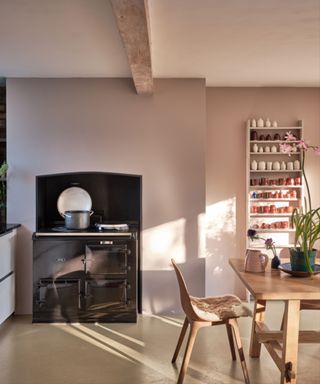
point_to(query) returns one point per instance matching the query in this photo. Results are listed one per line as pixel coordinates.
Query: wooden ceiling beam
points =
(133, 23)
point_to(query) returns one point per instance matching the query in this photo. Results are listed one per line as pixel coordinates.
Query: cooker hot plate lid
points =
(74, 199)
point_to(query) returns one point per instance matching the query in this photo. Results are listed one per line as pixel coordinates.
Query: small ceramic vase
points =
(275, 262)
(276, 166)
(274, 149)
(253, 135)
(262, 165)
(296, 165)
(283, 166)
(260, 149)
(260, 123)
(269, 165)
(274, 124)
(267, 149)
(253, 123)
(255, 148)
(276, 137)
(254, 165)
(268, 123)
(289, 165)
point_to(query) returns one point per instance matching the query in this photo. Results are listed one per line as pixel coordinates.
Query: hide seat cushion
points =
(219, 308)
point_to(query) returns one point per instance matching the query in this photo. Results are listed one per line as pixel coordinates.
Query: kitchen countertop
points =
(6, 228)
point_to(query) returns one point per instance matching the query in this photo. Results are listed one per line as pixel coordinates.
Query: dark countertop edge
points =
(6, 228)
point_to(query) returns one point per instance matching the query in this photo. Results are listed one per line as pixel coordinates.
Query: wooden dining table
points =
(297, 293)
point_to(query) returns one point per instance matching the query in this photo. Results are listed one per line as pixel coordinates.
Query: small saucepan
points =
(77, 219)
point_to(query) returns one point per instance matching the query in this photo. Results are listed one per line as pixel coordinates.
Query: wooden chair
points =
(209, 311)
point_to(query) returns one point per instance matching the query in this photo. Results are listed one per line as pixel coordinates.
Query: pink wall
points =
(66, 125)
(228, 109)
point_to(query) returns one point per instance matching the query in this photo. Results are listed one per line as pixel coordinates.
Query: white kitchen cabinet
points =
(7, 274)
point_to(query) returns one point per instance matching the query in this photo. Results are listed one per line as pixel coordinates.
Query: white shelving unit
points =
(270, 201)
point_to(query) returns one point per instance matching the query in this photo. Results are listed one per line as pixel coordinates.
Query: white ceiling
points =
(230, 42)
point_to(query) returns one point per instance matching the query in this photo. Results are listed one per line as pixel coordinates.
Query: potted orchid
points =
(305, 220)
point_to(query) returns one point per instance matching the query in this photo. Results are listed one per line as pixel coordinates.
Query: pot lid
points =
(74, 199)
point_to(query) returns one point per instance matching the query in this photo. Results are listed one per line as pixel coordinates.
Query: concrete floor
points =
(137, 353)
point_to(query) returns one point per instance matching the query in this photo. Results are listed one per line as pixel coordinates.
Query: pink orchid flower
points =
(302, 144)
(317, 151)
(286, 148)
(289, 136)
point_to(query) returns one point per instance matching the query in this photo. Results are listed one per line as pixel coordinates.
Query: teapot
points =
(255, 261)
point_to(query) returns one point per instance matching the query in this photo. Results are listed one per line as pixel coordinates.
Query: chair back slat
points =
(184, 294)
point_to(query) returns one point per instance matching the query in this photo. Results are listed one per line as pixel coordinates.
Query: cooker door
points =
(106, 299)
(106, 259)
(57, 300)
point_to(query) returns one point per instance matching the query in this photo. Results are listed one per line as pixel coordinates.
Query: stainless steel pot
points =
(77, 219)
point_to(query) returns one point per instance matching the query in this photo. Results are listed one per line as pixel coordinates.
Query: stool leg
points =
(194, 327)
(236, 332)
(231, 343)
(180, 340)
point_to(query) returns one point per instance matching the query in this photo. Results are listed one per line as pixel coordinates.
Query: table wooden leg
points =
(290, 342)
(258, 315)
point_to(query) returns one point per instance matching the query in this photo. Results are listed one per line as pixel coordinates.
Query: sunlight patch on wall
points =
(220, 245)
(221, 218)
(163, 242)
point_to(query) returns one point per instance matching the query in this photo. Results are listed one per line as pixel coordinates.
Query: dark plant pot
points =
(298, 262)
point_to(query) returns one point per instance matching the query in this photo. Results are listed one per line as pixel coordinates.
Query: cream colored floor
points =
(136, 353)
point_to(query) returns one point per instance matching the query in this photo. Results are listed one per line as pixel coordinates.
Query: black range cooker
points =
(87, 275)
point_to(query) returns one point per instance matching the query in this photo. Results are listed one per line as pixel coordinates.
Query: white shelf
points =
(257, 187)
(270, 199)
(270, 215)
(275, 230)
(274, 153)
(274, 171)
(284, 237)
(274, 142)
(273, 128)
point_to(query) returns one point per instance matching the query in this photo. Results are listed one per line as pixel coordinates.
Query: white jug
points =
(255, 261)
